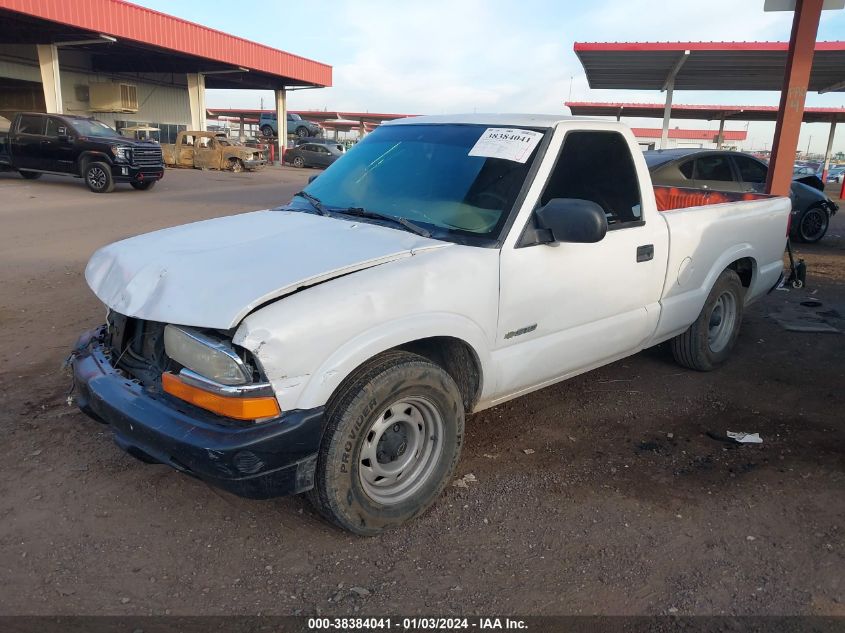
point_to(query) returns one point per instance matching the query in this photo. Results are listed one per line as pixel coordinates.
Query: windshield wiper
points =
(315, 202)
(375, 215)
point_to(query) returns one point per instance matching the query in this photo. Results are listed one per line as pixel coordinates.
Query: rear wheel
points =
(144, 186)
(31, 175)
(709, 341)
(392, 442)
(813, 225)
(98, 177)
(267, 131)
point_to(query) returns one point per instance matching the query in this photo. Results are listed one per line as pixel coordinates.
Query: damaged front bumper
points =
(256, 460)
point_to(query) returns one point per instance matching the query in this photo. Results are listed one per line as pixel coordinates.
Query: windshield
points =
(92, 127)
(424, 173)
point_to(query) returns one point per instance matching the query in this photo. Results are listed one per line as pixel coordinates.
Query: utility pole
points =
(807, 153)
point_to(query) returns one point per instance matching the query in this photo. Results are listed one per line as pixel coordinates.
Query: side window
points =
(750, 170)
(52, 127)
(686, 169)
(598, 166)
(31, 124)
(713, 168)
(309, 148)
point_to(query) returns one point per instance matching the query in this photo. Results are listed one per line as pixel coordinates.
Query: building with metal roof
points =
(128, 64)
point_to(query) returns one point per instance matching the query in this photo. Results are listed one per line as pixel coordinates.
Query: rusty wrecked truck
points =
(210, 150)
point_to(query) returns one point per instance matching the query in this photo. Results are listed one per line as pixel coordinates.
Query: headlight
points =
(122, 153)
(212, 358)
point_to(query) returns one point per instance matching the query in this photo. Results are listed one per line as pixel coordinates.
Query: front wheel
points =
(267, 131)
(98, 177)
(302, 132)
(392, 442)
(146, 185)
(813, 225)
(31, 175)
(299, 162)
(708, 342)
(236, 165)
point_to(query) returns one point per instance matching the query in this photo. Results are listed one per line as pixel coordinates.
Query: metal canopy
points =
(705, 65)
(699, 112)
(126, 38)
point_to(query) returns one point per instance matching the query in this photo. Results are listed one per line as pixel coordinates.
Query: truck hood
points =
(213, 273)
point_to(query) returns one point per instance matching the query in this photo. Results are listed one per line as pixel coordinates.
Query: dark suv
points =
(79, 146)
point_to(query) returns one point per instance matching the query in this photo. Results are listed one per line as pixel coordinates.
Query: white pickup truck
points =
(443, 266)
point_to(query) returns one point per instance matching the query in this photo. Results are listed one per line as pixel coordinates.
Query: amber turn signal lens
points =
(229, 406)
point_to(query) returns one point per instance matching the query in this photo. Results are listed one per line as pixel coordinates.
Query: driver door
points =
(568, 307)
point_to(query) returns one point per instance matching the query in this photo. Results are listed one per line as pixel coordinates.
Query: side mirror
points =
(573, 220)
(312, 178)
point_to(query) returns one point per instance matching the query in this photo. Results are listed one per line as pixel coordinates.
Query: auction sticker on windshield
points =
(507, 143)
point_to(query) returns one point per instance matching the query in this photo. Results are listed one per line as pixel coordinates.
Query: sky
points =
(449, 56)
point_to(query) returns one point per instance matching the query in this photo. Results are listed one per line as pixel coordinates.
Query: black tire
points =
(812, 225)
(144, 186)
(267, 131)
(343, 491)
(698, 348)
(31, 175)
(98, 177)
(302, 132)
(298, 161)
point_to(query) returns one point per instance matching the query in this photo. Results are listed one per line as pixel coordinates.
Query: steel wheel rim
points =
(721, 322)
(96, 177)
(400, 450)
(812, 224)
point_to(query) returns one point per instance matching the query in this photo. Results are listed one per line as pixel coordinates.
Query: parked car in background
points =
(836, 174)
(313, 154)
(297, 126)
(81, 147)
(449, 264)
(321, 141)
(720, 170)
(210, 150)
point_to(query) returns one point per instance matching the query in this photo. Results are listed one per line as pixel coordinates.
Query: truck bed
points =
(703, 226)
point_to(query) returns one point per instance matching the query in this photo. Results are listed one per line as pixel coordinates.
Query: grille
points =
(147, 156)
(137, 347)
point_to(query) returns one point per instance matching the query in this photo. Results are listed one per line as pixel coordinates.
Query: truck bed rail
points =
(669, 198)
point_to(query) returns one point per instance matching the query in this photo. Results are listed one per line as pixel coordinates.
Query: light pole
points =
(807, 154)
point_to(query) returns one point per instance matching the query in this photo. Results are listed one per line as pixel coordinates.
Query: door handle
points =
(645, 252)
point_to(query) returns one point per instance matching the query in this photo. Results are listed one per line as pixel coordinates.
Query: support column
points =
(48, 60)
(282, 120)
(802, 43)
(721, 138)
(828, 151)
(667, 114)
(196, 98)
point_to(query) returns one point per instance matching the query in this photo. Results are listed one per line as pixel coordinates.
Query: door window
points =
(598, 166)
(713, 168)
(55, 127)
(750, 170)
(31, 124)
(686, 169)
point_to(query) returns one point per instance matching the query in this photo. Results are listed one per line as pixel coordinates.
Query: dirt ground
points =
(625, 506)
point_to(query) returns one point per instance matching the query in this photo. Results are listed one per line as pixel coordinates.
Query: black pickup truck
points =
(81, 147)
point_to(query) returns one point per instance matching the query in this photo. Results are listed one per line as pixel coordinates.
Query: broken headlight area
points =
(200, 367)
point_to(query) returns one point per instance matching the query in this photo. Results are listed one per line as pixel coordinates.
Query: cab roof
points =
(544, 121)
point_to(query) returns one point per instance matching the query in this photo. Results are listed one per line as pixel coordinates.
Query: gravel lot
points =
(602, 495)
